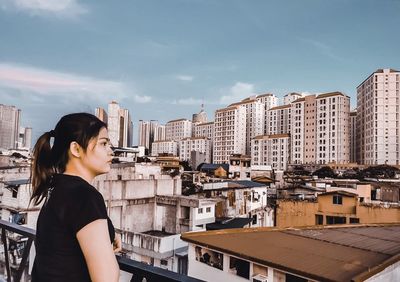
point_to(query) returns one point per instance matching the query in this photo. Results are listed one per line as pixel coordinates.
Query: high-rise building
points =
(229, 133)
(25, 138)
(164, 147)
(9, 126)
(120, 126)
(147, 133)
(101, 114)
(320, 129)
(270, 101)
(353, 136)
(255, 114)
(178, 129)
(278, 120)
(159, 132)
(291, 97)
(378, 136)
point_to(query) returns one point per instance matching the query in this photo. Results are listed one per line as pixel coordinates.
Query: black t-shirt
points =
(73, 204)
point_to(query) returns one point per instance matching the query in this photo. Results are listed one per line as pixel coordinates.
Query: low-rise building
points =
(194, 144)
(164, 147)
(239, 167)
(271, 150)
(345, 253)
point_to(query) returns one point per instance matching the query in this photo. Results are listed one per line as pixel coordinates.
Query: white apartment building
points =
(120, 126)
(9, 126)
(159, 132)
(269, 100)
(25, 138)
(255, 114)
(353, 136)
(164, 147)
(229, 133)
(291, 97)
(320, 129)
(200, 117)
(204, 130)
(278, 120)
(196, 144)
(271, 150)
(333, 128)
(178, 129)
(378, 136)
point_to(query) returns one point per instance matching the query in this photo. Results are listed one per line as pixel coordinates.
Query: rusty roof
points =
(327, 253)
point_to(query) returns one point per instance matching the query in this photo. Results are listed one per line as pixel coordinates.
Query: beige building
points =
(271, 150)
(9, 126)
(320, 129)
(175, 130)
(194, 144)
(229, 133)
(101, 114)
(378, 136)
(164, 147)
(335, 207)
(291, 97)
(146, 133)
(204, 130)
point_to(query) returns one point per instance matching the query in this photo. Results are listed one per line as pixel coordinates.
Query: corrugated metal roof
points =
(329, 254)
(17, 182)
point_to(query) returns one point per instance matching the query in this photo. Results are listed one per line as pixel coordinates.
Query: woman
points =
(75, 239)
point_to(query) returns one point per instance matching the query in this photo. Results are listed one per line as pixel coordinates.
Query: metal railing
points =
(140, 271)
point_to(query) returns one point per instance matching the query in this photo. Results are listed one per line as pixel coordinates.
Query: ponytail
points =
(42, 168)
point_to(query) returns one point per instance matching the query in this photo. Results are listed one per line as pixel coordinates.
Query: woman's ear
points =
(75, 149)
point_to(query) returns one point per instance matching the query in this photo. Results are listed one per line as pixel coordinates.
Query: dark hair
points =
(48, 160)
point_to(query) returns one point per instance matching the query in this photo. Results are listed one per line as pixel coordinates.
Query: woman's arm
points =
(95, 243)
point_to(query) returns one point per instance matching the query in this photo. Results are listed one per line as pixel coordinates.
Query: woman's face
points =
(99, 154)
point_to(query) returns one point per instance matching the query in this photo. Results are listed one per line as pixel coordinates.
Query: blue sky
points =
(161, 59)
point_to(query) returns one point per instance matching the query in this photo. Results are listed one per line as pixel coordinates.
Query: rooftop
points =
(328, 253)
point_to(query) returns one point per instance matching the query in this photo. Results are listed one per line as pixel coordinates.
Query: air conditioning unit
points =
(260, 278)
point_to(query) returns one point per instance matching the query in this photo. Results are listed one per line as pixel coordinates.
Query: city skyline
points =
(77, 56)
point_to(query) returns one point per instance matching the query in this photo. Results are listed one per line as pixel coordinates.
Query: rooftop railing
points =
(14, 235)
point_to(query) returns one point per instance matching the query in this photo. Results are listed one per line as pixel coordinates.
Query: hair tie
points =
(52, 133)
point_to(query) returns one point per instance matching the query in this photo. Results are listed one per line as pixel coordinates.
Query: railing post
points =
(4, 238)
(25, 256)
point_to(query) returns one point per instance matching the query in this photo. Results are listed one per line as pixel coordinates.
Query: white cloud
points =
(185, 77)
(238, 92)
(142, 99)
(46, 83)
(188, 101)
(62, 8)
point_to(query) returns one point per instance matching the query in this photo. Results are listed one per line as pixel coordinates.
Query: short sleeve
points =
(88, 207)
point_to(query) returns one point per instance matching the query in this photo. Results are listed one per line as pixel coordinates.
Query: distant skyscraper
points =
(9, 126)
(291, 97)
(120, 126)
(147, 133)
(159, 132)
(25, 138)
(378, 120)
(101, 114)
(178, 129)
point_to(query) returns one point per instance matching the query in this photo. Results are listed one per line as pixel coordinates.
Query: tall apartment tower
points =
(378, 136)
(291, 97)
(255, 115)
(270, 101)
(9, 126)
(229, 133)
(353, 136)
(320, 129)
(101, 114)
(120, 126)
(278, 120)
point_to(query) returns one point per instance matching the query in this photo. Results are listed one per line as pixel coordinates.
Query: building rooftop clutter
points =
(228, 223)
(329, 253)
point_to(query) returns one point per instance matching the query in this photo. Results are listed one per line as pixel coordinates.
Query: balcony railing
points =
(140, 271)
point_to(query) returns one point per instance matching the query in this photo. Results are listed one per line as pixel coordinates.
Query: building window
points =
(319, 219)
(239, 267)
(208, 209)
(335, 220)
(200, 211)
(164, 262)
(354, 220)
(337, 200)
(15, 192)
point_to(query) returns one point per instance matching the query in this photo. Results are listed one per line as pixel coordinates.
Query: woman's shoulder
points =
(75, 187)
